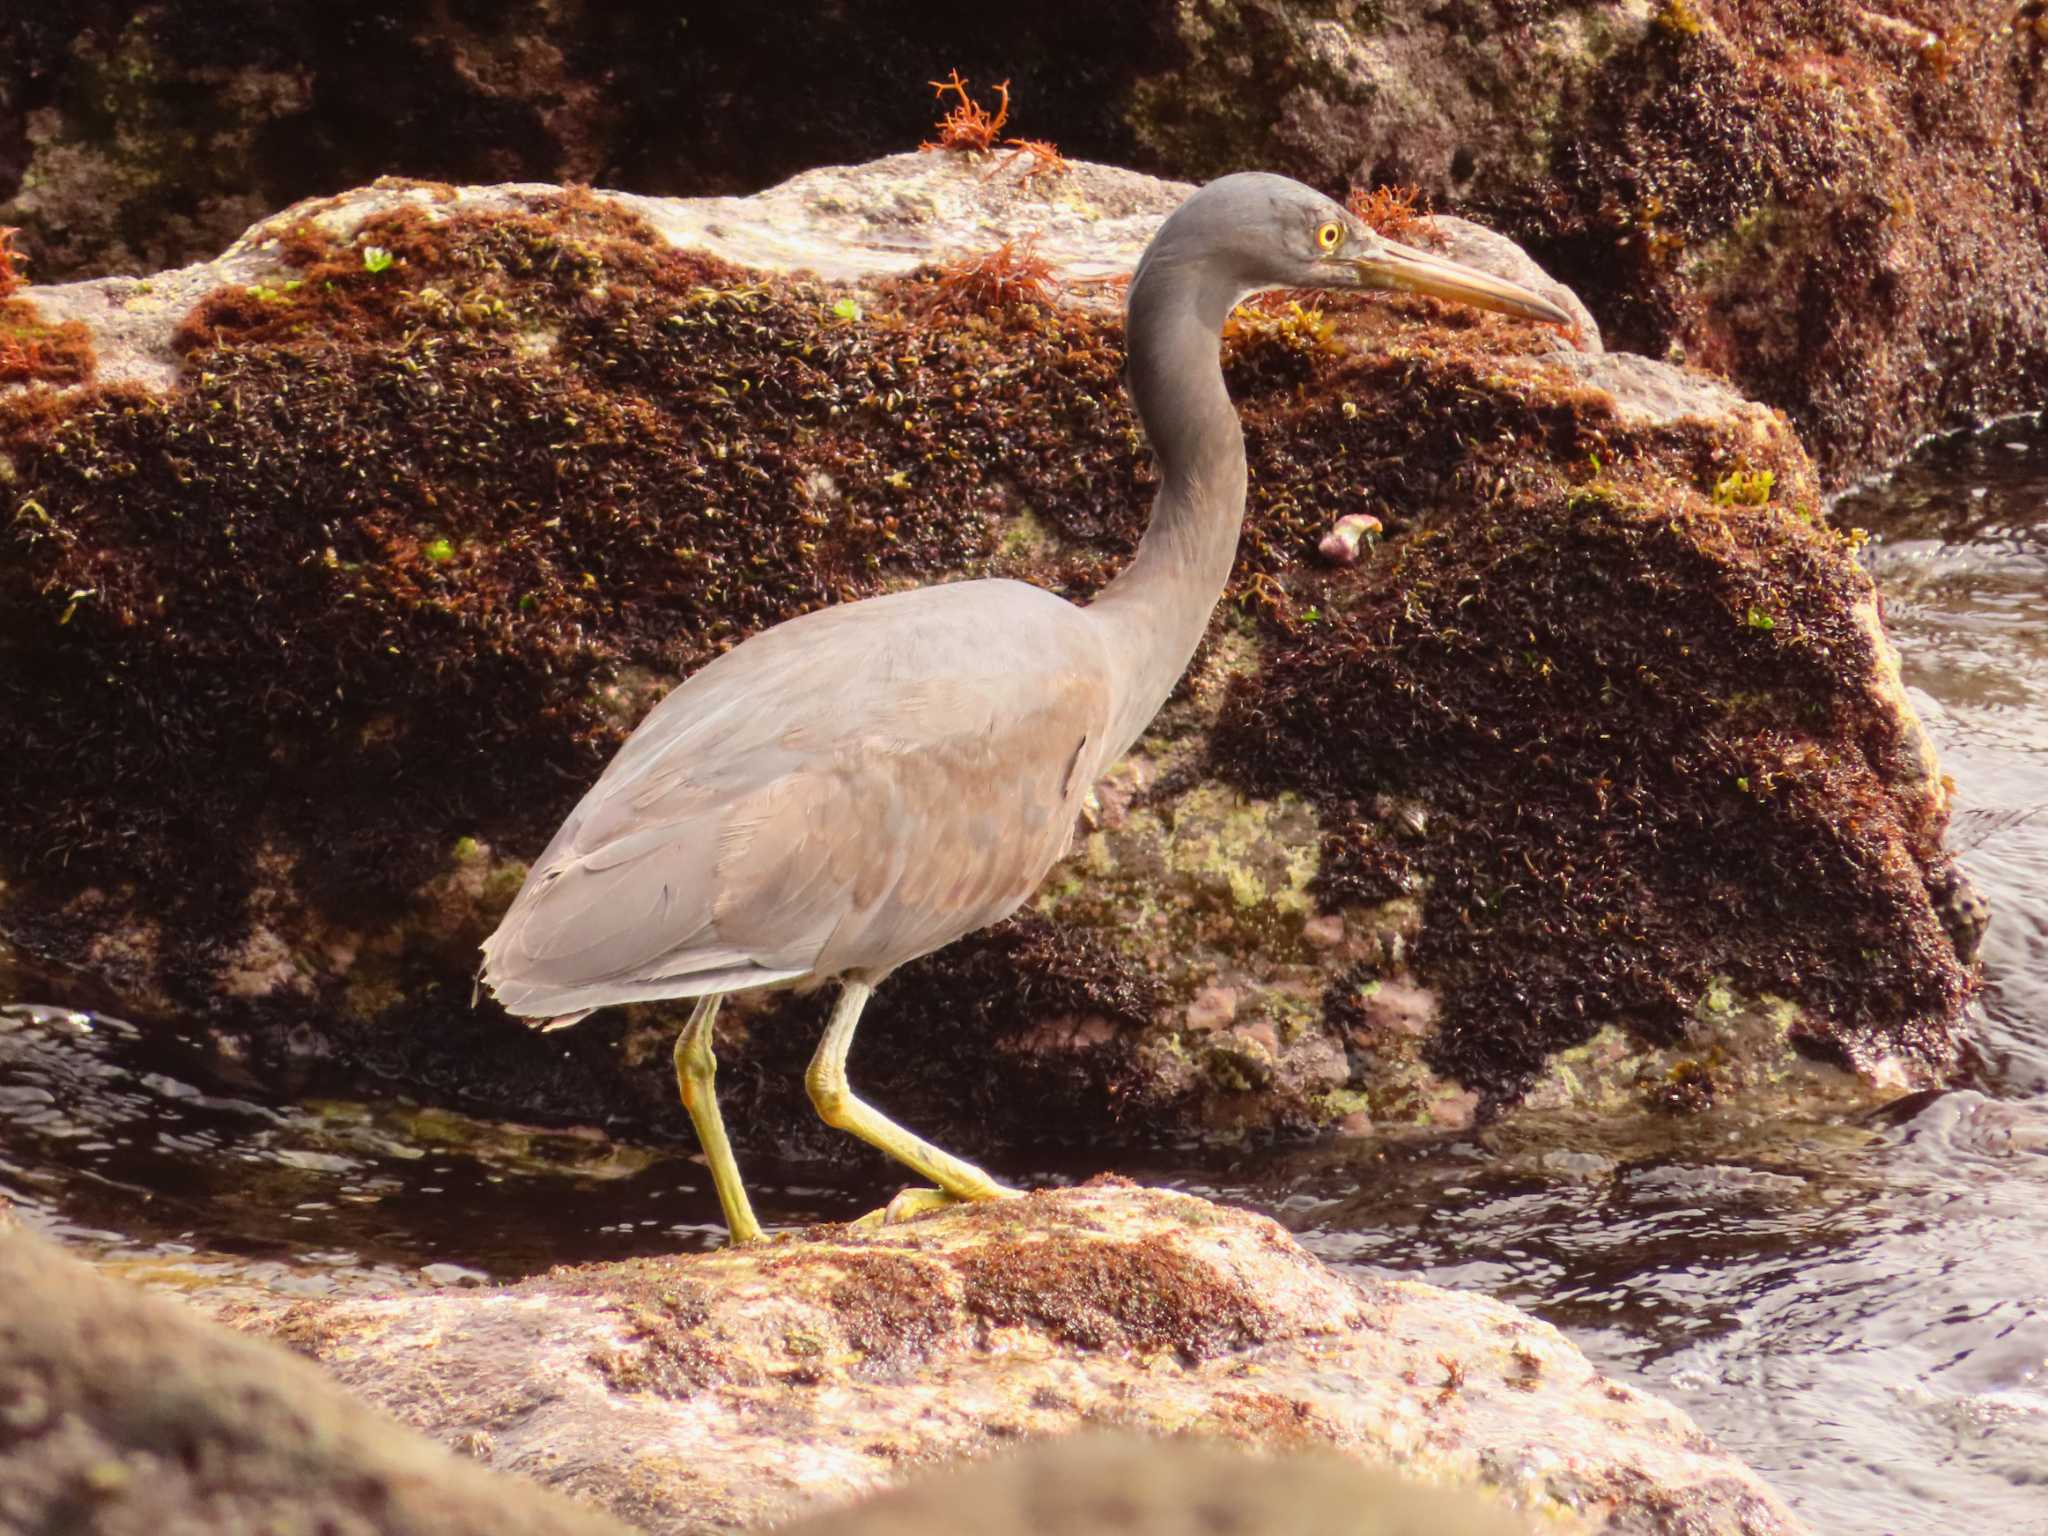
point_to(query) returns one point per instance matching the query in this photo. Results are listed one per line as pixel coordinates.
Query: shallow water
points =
(1858, 1309)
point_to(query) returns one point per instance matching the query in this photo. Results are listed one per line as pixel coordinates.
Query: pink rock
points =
(1325, 932)
(1398, 1007)
(746, 1384)
(1260, 1032)
(1340, 544)
(1068, 1032)
(1455, 1111)
(1213, 1007)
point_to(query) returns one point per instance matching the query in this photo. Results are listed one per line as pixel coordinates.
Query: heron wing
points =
(845, 791)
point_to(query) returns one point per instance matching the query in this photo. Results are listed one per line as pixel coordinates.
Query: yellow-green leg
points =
(695, 1068)
(839, 1108)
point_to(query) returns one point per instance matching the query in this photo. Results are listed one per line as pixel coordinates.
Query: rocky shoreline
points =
(331, 569)
(1586, 800)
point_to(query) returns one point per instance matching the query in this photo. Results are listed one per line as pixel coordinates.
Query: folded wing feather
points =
(845, 791)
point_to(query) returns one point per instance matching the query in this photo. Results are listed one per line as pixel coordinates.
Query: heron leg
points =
(695, 1068)
(838, 1107)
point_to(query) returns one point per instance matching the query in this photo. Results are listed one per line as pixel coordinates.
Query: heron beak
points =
(1402, 268)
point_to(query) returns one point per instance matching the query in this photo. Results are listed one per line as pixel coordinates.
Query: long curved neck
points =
(1154, 614)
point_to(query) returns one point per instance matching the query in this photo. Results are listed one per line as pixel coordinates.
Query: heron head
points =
(1252, 231)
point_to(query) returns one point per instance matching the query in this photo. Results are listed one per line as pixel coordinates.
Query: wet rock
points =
(722, 1390)
(1828, 203)
(373, 538)
(123, 1414)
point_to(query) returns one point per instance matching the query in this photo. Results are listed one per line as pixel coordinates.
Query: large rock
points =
(1838, 205)
(1595, 784)
(718, 1391)
(123, 1414)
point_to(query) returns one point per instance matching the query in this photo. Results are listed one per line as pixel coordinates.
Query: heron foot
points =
(839, 1107)
(921, 1200)
(915, 1201)
(759, 1237)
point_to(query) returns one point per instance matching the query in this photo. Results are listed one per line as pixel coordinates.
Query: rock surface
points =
(144, 135)
(123, 1414)
(323, 604)
(1837, 204)
(721, 1390)
(1114, 1485)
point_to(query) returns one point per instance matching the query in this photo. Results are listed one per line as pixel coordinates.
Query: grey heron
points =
(857, 787)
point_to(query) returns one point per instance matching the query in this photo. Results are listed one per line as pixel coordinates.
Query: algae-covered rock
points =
(372, 539)
(1837, 205)
(149, 134)
(719, 1391)
(123, 1414)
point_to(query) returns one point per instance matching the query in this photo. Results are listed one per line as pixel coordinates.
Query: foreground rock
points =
(123, 1414)
(722, 1390)
(126, 1413)
(1116, 1485)
(1593, 787)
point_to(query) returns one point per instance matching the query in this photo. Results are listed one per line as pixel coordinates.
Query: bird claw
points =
(908, 1205)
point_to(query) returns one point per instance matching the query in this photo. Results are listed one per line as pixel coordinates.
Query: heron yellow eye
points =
(1329, 237)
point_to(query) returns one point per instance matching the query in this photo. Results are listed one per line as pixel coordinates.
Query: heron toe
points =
(920, 1200)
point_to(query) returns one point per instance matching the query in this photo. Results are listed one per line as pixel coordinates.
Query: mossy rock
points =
(1828, 202)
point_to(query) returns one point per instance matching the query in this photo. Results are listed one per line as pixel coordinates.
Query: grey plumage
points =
(862, 785)
(843, 792)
